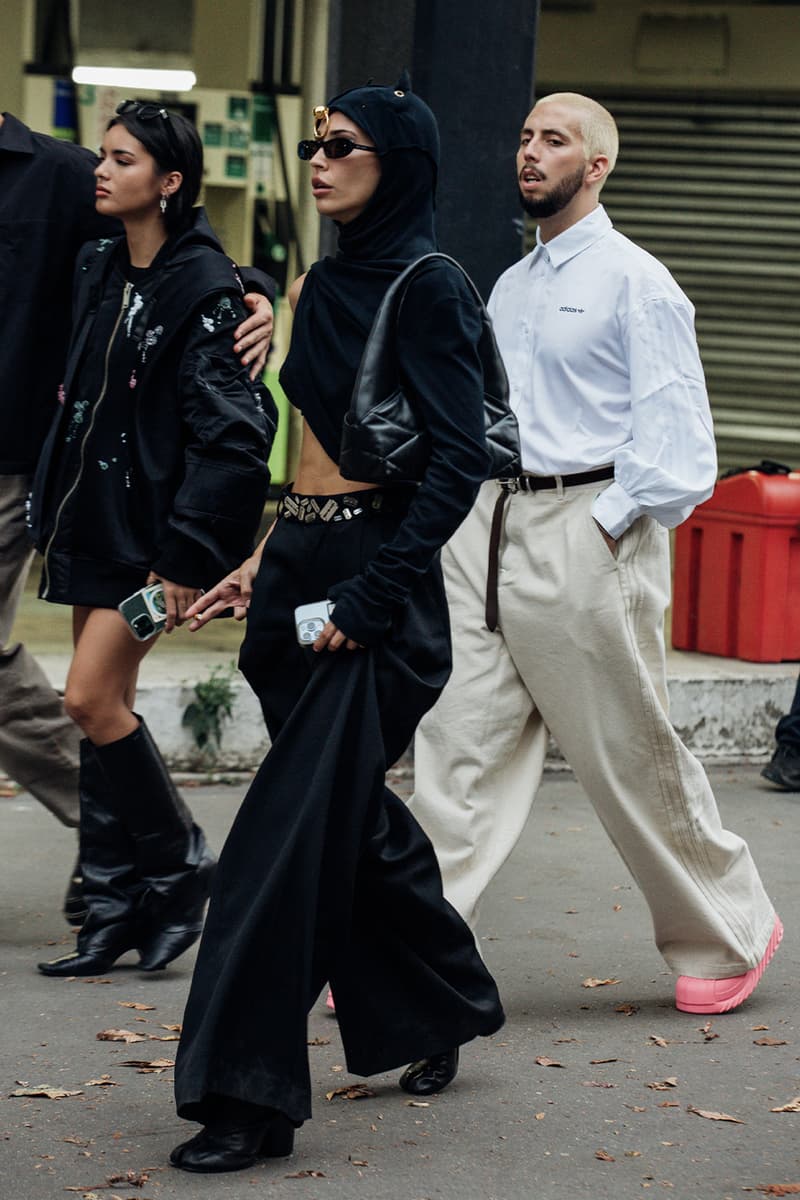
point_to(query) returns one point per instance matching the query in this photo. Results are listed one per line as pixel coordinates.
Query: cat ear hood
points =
(341, 295)
(393, 117)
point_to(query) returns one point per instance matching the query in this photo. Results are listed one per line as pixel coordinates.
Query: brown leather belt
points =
(510, 486)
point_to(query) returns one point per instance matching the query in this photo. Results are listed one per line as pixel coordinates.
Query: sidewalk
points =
(586, 1094)
(725, 710)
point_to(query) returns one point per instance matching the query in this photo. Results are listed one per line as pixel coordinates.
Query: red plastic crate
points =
(736, 589)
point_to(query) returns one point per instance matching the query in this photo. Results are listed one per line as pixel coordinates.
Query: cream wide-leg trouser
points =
(579, 651)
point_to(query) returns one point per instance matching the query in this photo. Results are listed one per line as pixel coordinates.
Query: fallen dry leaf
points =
(351, 1091)
(543, 1061)
(103, 1081)
(130, 1178)
(595, 1062)
(46, 1092)
(417, 1104)
(668, 1104)
(663, 1085)
(120, 1035)
(707, 1033)
(597, 1083)
(659, 1041)
(604, 1156)
(306, 1175)
(768, 1042)
(76, 1141)
(591, 982)
(636, 1108)
(319, 1041)
(759, 1028)
(173, 1028)
(617, 908)
(627, 1009)
(539, 1117)
(792, 1106)
(778, 1189)
(163, 1037)
(633, 1154)
(713, 1116)
(135, 1004)
(359, 1162)
(149, 1066)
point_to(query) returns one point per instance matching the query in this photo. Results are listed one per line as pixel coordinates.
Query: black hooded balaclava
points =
(341, 295)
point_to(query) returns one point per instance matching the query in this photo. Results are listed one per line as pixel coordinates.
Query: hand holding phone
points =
(311, 619)
(145, 611)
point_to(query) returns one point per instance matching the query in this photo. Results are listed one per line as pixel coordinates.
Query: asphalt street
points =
(588, 1092)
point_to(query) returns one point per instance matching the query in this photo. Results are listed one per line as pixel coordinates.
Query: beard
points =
(556, 199)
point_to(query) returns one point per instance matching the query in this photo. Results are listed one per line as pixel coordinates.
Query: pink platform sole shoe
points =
(329, 1003)
(721, 995)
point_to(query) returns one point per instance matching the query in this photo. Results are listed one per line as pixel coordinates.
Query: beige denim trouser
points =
(579, 652)
(38, 741)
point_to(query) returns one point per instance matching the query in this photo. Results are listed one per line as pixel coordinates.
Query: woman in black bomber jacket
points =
(326, 875)
(154, 471)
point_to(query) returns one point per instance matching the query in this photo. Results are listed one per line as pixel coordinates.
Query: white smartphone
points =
(145, 611)
(310, 620)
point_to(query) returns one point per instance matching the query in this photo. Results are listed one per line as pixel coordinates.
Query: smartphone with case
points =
(310, 620)
(145, 611)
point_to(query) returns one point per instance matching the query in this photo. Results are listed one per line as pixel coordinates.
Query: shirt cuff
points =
(615, 510)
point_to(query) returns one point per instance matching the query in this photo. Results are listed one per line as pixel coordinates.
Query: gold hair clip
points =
(322, 119)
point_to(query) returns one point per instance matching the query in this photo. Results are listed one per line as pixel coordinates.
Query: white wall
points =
(627, 43)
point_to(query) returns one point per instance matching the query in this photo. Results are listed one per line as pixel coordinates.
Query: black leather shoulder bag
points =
(383, 438)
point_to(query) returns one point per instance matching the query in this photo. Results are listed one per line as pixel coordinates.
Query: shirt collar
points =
(14, 136)
(576, 239)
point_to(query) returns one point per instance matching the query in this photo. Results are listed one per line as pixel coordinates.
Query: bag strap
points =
(403, 280)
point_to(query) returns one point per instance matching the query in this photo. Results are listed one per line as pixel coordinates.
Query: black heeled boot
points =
(172, 859)
(235, 1139)
(110, 887)
(431, 1074)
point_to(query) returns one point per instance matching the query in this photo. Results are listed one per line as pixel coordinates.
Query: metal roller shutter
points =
(711, 188)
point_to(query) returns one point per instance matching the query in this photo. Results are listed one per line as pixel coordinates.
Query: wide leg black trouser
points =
(325, 874)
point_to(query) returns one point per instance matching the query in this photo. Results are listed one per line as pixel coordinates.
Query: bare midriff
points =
(317, 474)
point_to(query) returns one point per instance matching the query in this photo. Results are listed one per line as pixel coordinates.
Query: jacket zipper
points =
(123, 309)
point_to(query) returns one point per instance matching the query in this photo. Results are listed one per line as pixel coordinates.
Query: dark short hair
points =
(175, 149)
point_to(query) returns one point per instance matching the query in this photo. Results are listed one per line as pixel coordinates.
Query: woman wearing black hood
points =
(325, 874)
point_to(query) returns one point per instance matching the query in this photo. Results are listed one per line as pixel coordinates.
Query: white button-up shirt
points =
(599, 345)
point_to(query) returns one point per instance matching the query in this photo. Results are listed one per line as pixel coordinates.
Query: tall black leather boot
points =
(111, 889)
(173, 861)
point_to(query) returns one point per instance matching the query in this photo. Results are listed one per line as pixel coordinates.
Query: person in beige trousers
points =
(558, 580)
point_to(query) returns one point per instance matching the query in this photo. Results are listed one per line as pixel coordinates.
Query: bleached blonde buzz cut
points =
(598, 127)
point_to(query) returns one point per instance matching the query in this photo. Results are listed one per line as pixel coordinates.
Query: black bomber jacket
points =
(195, 430)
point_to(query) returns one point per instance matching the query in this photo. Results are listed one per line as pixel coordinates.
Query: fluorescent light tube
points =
(136, 78)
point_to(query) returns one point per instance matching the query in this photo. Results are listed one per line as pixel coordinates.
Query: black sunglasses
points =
(335, 147)
(147, 112)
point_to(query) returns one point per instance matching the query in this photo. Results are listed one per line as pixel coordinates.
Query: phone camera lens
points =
(143, 626)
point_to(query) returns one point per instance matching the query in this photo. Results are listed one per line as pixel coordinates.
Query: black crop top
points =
(438, 333)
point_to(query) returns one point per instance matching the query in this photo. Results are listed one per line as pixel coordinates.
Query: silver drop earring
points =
(163, 204)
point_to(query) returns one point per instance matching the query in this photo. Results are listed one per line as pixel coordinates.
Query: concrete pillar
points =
(476, 72)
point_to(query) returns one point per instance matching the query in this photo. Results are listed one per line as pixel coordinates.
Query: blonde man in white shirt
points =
(564, 631)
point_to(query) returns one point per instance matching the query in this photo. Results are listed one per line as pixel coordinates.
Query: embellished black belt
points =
(346, 506)
(510, 486)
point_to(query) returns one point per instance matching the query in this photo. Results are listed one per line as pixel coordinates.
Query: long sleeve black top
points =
(439, 328)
